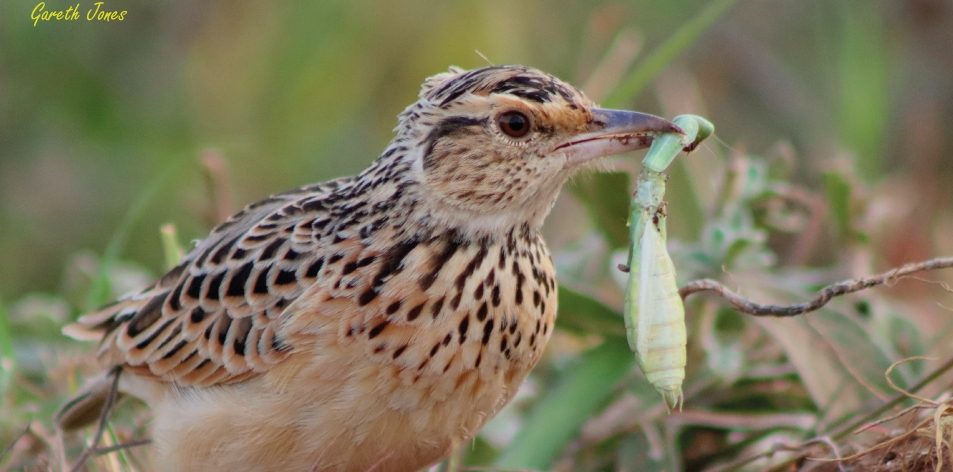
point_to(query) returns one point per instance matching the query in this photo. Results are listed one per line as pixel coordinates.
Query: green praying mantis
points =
(654, 314)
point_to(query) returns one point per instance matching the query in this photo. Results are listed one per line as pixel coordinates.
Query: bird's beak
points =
(614, 132)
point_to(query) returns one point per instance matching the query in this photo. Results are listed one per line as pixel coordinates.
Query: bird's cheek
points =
(560, 159)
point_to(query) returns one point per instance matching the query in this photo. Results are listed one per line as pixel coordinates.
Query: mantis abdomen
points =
(659, 327)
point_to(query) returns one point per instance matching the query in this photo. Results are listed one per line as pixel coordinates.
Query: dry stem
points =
(823, 296)
(101, 427)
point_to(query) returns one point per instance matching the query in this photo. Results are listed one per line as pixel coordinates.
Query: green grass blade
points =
(100, 290)
(559, 415)
(123, 455)
(684, 37)
(172, 251)
(7, 357)
(604, 196)
(864, 92)
(582, 314)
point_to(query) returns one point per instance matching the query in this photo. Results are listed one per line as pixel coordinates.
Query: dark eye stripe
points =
(447, 127)
(453, 125)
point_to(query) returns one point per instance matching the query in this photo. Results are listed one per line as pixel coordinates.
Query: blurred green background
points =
(295, 92)
(832, 160)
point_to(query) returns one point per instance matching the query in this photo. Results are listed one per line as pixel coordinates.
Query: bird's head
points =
(491, 147)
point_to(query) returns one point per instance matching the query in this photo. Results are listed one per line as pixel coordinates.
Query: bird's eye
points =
(514, 124)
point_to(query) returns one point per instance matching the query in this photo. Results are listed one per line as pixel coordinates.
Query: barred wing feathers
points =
(215, 317)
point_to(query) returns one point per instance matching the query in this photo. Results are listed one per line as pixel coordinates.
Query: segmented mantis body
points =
(654, 314)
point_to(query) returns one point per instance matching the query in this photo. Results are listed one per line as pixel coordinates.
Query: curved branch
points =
(823, 296)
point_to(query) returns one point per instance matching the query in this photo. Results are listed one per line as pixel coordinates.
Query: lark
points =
(370, 322)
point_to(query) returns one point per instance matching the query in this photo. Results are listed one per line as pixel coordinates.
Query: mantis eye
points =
(514, 124)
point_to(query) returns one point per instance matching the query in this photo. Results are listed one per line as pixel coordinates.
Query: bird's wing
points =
(215, 317)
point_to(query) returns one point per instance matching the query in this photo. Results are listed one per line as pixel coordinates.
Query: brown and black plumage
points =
(369, 322)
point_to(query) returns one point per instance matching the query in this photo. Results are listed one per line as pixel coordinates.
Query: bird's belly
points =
(371, 421)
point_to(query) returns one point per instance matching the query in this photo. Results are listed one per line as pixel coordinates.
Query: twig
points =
(892, 417)
(875, 447)
(896, 400)
(219, 185)
(781, 447)
(938, 434)
(478, 468)
(118, 447)
(943, 285)
(103, 418)
(743, 422)
(823, 296)
(899, 389)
